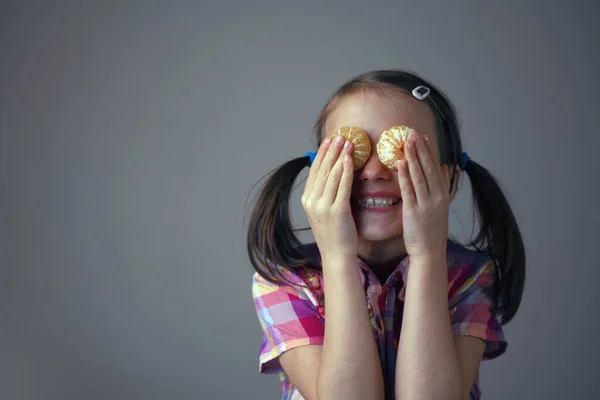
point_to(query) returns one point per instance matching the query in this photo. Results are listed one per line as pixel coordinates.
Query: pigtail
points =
(500, 238)
(271, 241)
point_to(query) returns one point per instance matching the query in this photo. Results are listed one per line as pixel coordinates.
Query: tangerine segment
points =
(360, 141)
(390, 147)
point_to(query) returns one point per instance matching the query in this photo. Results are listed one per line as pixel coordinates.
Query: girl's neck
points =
(382, 256)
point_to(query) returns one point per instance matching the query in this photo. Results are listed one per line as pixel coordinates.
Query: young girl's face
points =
(375, 112)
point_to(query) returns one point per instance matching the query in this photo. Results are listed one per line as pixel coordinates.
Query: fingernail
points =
(326, 141)
(347, 144)
(339, 139)
(410, 144)
(426, 138)
(417, 136)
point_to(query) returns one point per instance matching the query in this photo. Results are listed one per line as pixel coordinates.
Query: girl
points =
(383, 305)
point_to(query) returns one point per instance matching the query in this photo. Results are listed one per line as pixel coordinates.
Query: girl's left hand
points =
(425, 187)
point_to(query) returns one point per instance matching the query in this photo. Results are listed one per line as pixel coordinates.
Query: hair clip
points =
(312, 157)
(421, 92)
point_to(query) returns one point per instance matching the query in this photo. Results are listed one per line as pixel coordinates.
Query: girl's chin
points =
(377, 231)
(378, 225)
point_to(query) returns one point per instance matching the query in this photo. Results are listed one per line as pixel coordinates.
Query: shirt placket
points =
(385, 319)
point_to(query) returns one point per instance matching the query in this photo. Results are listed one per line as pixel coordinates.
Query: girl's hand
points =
(425, 187)
(326, 199)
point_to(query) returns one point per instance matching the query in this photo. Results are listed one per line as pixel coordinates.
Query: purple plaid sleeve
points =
(470, 307)
(288, 318)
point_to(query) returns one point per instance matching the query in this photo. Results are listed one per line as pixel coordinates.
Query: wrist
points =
(436, 258)
(338, 260)
(428, 266)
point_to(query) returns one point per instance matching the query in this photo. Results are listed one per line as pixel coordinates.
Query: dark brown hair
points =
(272, 242)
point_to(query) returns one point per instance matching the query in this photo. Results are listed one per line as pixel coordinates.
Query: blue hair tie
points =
(311, 155)
(464, 159)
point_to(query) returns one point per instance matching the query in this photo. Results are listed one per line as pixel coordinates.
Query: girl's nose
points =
(374, 169)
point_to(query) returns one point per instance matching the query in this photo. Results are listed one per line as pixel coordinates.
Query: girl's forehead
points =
(375, 112)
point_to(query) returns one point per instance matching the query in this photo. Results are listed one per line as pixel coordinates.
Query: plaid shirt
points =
(292, 317)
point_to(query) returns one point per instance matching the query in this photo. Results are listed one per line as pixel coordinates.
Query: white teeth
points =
(377, 202)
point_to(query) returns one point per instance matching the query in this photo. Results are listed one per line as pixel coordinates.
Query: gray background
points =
(131, 135)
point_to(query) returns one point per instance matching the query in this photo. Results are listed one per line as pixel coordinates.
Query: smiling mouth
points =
(376, 202)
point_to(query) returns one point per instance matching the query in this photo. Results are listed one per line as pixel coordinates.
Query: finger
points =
(329, 160)
(314, 168)
(407, 190)
(417, 177)
(333, 179)
(430, 169)
(446, 177)
(345, 188)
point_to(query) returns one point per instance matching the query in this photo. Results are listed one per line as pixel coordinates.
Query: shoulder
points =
(290, 284)
(460, 256)
(471, 298)
(288, 307)
(467, 268)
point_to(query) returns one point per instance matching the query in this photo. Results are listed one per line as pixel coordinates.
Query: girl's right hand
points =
(326, 200)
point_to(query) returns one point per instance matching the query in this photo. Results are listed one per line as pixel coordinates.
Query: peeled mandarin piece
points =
(390, 147)
(360, 141)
